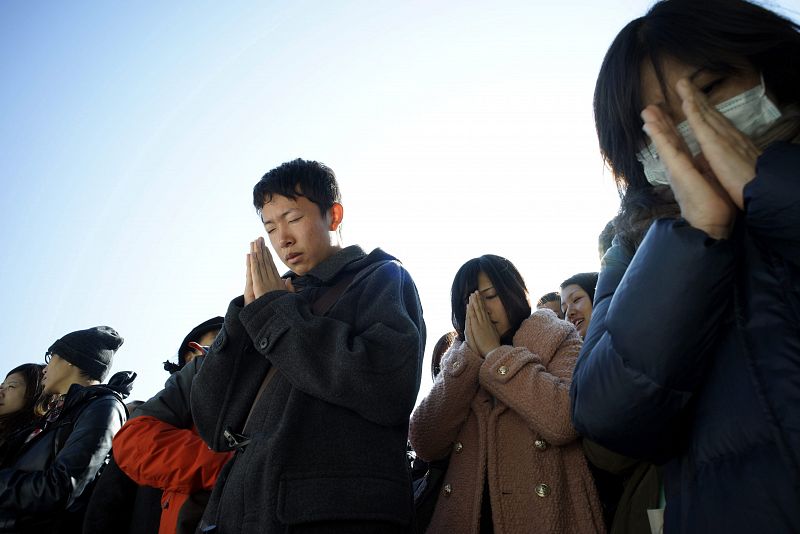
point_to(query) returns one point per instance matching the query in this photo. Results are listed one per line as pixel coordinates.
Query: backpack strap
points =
(320, 307)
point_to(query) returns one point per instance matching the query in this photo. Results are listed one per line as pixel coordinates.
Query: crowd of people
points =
(657, 395)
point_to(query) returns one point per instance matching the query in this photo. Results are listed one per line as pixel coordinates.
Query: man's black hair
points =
(310, 179)
(553, 296)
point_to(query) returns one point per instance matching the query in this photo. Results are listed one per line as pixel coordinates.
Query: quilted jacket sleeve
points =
(772, 200)
(647, 348)
(155, 453)
(173, 403)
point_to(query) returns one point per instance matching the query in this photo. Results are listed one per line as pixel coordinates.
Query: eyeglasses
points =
(47, 357)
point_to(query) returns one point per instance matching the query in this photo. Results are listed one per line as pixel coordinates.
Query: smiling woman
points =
(577, 298)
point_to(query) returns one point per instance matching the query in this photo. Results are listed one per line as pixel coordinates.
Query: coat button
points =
(458, 447)
(456, 365)
(540, 444)
(502, 370)
(542, 490)
(448, 489)
(263, 343)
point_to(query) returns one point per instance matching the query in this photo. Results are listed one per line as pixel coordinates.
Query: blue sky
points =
(133, 133)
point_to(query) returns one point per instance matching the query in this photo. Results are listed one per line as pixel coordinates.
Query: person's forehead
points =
(672, 70)
(571, 290)
(277, 202)
(484, 282)
(280, 206)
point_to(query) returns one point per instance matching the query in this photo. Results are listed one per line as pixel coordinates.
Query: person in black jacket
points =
(47, 487)
(18, 395)
(119, 504)
(313, 376)
(692, 358)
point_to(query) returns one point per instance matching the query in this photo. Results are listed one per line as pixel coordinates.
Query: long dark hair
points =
(723, 36)
(439, 350)
(32, 374)
(507, 282)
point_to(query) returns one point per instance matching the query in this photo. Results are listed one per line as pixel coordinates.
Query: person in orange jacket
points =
(176, 460)
(160, 448)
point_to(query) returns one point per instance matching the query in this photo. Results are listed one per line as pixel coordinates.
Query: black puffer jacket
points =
(692, 359)
(47, 488)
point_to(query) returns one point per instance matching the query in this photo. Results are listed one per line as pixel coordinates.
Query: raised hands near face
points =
(708, 188)
(731, 154)
(480, 332)
(262, 275)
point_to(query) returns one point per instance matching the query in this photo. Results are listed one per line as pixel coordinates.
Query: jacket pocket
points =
(306, 498)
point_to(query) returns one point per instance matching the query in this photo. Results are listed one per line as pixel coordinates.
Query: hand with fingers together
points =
(731, 154)
(709, 188)
(262, 275)
(479, 331)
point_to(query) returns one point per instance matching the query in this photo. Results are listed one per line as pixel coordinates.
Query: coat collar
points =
(326, 271)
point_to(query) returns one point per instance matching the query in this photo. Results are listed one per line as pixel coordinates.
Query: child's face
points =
(298, 232)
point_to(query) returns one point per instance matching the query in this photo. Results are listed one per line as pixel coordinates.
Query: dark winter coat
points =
(159, 448)
(328, 435)
(48, 486)
(13, 442)
(693, 358)
(118, 499)
(120, 505)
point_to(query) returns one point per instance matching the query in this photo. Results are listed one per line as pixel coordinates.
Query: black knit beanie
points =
(215, 323)
(90, 350)
(587, 282)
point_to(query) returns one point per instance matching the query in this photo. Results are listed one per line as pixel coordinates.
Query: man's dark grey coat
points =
(328, 434)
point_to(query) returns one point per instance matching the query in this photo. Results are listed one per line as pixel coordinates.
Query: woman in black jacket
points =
(18, 395)
(46, 488)
(692, 357)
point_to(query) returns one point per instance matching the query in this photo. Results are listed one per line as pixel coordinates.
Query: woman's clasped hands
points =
(479, 330)
(709, 187)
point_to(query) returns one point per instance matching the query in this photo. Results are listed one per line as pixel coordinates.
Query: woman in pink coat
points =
(500, 409)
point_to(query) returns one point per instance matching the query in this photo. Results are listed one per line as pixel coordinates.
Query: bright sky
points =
(133, 133)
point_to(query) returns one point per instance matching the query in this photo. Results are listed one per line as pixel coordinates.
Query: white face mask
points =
(750, 112)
